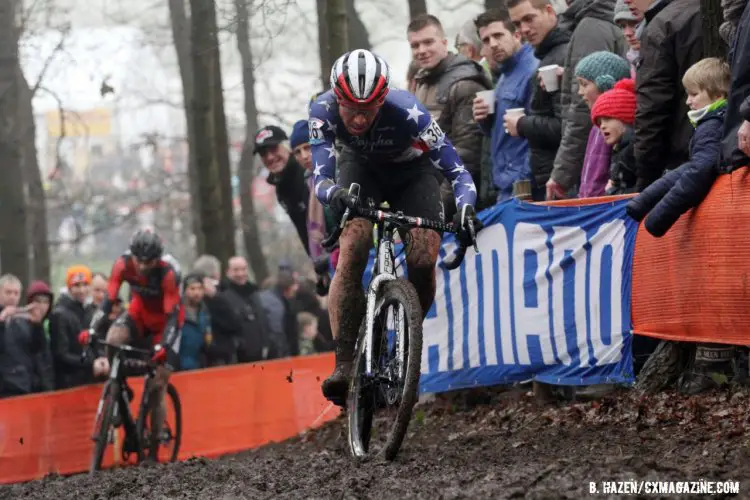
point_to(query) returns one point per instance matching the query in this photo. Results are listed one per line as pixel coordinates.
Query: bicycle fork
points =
(385, 271)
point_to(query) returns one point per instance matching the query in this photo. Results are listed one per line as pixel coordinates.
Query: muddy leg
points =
(346, 304)
(420, 264)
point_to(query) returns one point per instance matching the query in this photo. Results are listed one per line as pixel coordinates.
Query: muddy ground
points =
(509, 448)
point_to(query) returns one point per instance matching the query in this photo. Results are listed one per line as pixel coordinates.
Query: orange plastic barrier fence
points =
(693, 283)
(224, 410)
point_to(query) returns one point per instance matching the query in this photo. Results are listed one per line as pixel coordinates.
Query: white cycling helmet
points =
(360, 77)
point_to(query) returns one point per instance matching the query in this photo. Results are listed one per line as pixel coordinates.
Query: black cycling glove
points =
(460, 222)
(341, 200)
(322, 264)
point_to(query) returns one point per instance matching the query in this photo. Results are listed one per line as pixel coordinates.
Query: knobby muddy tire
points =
(400, 291)
(143, 427)
(109, 395)
(173, 394)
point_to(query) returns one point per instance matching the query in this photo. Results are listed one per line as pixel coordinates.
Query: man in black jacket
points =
(736, 139)
(226, 325)
(542, 127)
(671, 42)
(66, 322)
(286, 175)
(242, 294)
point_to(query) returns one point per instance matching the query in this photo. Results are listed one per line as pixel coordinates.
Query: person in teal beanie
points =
(597, 73)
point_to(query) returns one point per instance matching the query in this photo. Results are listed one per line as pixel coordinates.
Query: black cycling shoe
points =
(336, 387)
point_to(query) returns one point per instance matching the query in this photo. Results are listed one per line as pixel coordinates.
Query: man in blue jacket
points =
(517, 65)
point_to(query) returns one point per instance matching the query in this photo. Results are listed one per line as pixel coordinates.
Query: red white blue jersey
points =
(403, 132)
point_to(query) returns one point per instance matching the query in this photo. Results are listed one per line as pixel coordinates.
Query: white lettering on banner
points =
(610, 231)
(538, 260)
(490, 307)
(531, 321)
(573, 240)
(499, 234)
(437, 336)
(473, 340)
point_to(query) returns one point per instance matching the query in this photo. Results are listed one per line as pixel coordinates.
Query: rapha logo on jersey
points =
(370, 145)
(433, 136)
(316, 131)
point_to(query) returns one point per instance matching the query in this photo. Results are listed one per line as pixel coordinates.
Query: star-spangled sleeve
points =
(322, 138)
(433, 141)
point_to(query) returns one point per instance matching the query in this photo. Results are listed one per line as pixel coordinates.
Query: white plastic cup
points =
(514, 112)
(488, 96)
(550, 78)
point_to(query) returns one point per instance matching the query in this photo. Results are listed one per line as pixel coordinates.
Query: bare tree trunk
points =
(221, 150)
(358, 37)
(712, 17)
(13, 238)
(338, 39)
(205, 49)
(417, 7)
(326, 59)
(181, 37)
(35, 195)
(246, 171)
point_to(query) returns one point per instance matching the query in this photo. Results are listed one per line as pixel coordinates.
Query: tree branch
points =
(48, 63)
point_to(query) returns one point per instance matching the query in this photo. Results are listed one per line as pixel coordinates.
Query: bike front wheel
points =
(170, 437)
(380, 403)
(103, 424)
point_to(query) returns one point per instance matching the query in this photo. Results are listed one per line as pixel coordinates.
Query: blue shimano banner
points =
(547, 298)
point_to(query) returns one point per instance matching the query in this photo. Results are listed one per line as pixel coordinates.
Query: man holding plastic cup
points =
(517, 65)
(536, 20)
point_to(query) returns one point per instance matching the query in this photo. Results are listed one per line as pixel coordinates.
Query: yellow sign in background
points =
(91, 123)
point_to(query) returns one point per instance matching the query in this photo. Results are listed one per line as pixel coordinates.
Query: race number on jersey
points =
(316, 131)
(433, 136)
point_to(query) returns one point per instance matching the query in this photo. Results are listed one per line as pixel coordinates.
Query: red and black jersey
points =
(156, 292)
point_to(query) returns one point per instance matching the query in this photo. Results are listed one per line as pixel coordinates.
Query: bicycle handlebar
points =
(155, 355)
(126, 348)
(403, 221)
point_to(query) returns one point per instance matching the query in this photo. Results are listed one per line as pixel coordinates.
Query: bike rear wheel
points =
(171, 433)
(103, 423)
(380, 404)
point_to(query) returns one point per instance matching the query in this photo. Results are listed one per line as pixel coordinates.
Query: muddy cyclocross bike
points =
(385, 374)
(113, 410)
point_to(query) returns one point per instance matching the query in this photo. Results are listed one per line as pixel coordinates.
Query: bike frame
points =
(123, 398)
(383, 271)
(385, 268)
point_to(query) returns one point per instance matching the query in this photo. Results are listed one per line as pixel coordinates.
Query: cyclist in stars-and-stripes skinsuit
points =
(392, 147)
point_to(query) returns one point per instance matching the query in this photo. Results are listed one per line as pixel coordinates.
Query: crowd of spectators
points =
(228, 320)
(599, 97)
(542, 103)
